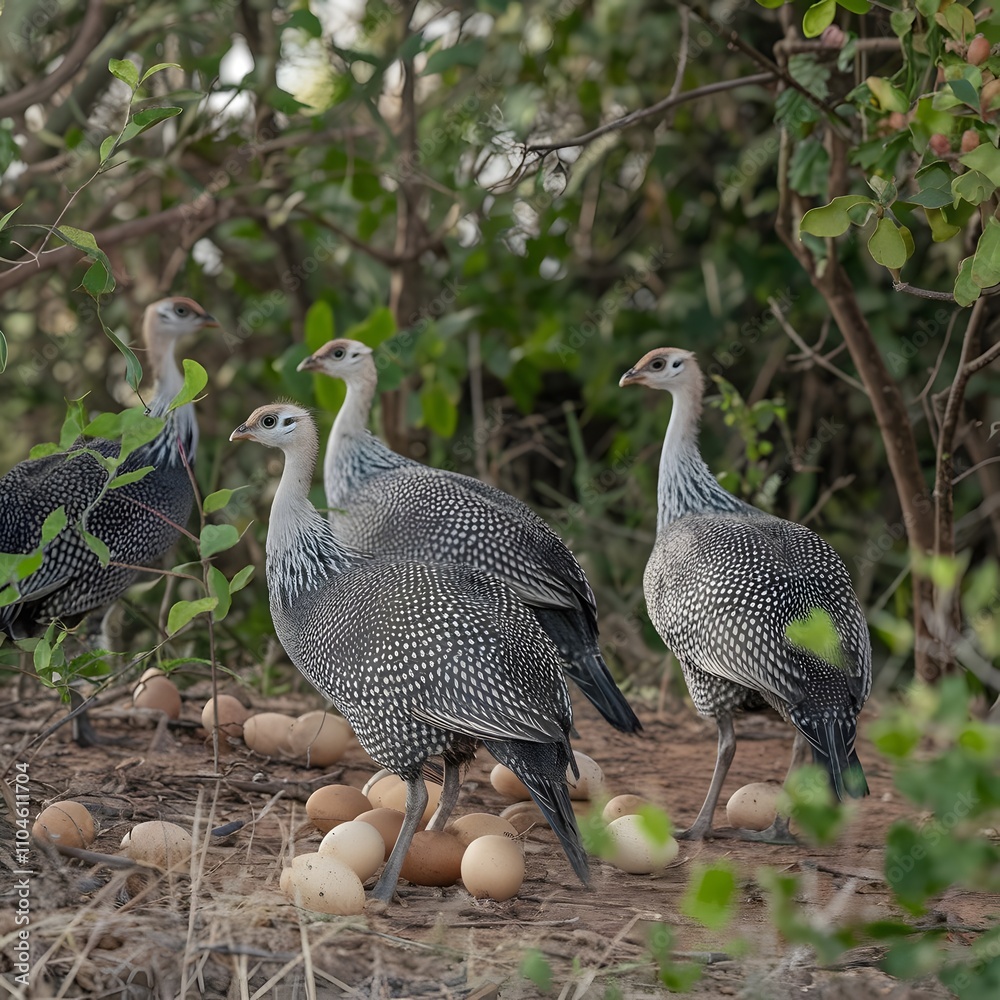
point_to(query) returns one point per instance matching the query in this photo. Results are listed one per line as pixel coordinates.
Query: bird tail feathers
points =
(832, 743)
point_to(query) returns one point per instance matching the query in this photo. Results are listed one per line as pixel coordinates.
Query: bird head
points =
(667, 368)
(277, 425)
(339, 358)
(176, 317)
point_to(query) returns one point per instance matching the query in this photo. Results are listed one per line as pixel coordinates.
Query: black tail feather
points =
(542, 768)
(584, 664)
(832, 743)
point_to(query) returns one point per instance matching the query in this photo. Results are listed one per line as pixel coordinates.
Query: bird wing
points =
(723, 591)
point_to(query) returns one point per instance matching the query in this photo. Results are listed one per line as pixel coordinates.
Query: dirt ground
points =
(225, 930)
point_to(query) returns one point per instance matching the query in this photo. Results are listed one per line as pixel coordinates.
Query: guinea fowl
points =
(392, 505)
(423, 659)
(758, 610)
(138, 522)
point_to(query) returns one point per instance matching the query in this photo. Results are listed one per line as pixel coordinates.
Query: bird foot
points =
(776, 833)
(376, 907)
(85, 735)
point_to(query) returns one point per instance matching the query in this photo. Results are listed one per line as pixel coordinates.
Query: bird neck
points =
(686, 484)
(180, 433)
(303, 553)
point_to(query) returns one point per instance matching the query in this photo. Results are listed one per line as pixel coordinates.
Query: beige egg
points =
(267, 733)
(388, 822)
(158, 693)
(633, 850)
(474, 825)
(590, 784)
(508, 784)
(359, 845)
(319, 738)
(285, 881)
(523, 816)
(67, 823)
(493, 868)
(754, 806)
(390, 793)
(326, 885)
(434, 858)
(332, 805)
(230, 712)
(165, 845)
(152, 672)
(623, 805)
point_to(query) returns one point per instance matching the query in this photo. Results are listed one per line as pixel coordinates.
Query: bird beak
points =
(309, 364)
(209, 320)
(242, 433)
(629, 377)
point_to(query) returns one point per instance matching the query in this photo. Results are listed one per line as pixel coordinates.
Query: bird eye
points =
(181, 310)
(338, 353)
(269, 421)
(656, 364)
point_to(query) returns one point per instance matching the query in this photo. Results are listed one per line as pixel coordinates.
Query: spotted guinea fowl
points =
(758, 610)
(423, 659)
(138, 522)
(392, 505)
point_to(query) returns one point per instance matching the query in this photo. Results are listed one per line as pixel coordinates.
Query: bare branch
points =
(975, 468)
(651, 112)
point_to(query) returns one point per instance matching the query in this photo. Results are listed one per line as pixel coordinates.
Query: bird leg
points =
(449, 796)
(702, 826)
(416, 802)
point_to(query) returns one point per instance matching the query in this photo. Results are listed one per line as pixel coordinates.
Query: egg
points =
(388, 822)
(622, 805)
(632, 849)
(230, 712)
(754, 806)
(267, 733)
(359, 845)
(473, 825)
(326, 885)
(332, 805)
(493, 868)
(165, 845)
(434, 858)
(523, 816)
(508, 784)
(590, 784)
(285, 881)
(158, 692)
(319, 738)
(390, 793)
(67, 823)
(152, 672)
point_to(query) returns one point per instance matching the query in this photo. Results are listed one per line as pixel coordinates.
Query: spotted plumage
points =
(388, 504)
(727, 585)
(138, 522)
(423, 659)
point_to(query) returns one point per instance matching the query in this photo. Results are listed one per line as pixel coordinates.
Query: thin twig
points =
(841, 482)
(656, 109)
(975, 468)
(793, 335)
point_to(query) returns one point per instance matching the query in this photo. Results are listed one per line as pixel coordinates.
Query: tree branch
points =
(91, 31)
(656, 109)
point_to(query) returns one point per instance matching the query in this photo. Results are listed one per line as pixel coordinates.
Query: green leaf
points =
(133, 370)
(973, 187)
(73, 423)
(886, 244)
(126, 71)
(941, 229)
(965, 92)
(816, 633)
(809, 168)
(320, 327)
(808, 798)
(80, 239)
(241, 579)
(818, 18)
(53, 524)
(218, 587)
(44, 450)
(42, 655)
(28, 565)
(97, 280)
(655, 824)
(307, 21)
(365, 186)
(217, 538)
(832, 219)
(143, 120)
(535, 966)
(183, 611)
(8, 216)
(127, 478)
(138, 428)
(3, 352)
(855, 6)
(986, 260)
(95, 545)
(439, 413)
(217, 500)
(957, 21)
(709, 896)
(158, 68)
(195, 379)
(107, 145)
(928, 7)
(771, 4)
(464, 54)
(986, 159)
(377, 328)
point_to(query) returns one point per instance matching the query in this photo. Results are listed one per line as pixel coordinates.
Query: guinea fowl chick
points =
(758, 610)
(423, 659)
